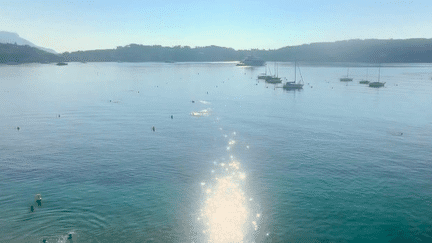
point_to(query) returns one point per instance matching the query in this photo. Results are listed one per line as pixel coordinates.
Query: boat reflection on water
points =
(228, 214)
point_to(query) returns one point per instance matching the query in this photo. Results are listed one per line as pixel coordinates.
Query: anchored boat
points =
(293, 84)
(346, 79)
(377, 84)
(252, 61)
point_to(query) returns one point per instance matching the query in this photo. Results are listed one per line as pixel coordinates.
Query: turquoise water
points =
(334, 162)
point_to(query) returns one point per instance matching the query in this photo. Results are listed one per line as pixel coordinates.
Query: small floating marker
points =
(207, 92)
(138, 91)
(193, 101)
(172, 117)
(153, 129)
(18, 128)
(38, 199)
(110, 100)
(32, 208)
(58, 115)
(312, 86)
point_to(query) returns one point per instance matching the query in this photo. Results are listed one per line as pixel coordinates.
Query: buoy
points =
(59, 116)
(18, 128)
(172, 117)
(193, 101)
(32, 208)
(207, 92)
(153, 128)
(38, 199)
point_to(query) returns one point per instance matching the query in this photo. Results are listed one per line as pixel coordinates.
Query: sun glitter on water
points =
(226, 213)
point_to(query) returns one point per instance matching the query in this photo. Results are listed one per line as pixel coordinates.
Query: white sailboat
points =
(346, 79)
(377, 84)
(293, 84)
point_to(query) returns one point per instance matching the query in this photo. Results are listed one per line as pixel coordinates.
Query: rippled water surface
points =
(238, 161)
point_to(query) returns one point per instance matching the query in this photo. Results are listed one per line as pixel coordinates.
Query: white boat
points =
(293, 84)
(252, 61)
(346, 79)
(377, 84)
(274, 79)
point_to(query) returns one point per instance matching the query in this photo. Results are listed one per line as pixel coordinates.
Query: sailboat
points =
(273, 79)
(365, 81)
(265, 76)
(293, 84)
(346, 79)
(377, 84)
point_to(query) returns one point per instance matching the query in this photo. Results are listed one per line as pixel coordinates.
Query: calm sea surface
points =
(239, 161)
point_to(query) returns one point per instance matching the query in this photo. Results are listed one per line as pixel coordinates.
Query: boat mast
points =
(295, 72)
(379, 72)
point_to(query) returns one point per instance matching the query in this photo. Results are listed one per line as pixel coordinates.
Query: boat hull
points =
(376, 84)
(273, 80)
(290, 86)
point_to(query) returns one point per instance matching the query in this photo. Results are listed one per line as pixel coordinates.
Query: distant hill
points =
(15, 54)
(156, 53)
(368, 51)
(14, 38)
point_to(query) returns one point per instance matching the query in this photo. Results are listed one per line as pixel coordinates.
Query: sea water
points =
(230, 158)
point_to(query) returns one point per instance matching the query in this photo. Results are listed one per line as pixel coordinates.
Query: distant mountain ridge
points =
(16, 54)
(367, 51)
(361, 51)
(12, 38)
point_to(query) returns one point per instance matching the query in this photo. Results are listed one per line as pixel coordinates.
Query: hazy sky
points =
(84, 25)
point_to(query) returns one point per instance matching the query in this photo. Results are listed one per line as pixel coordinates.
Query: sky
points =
(239, 24)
